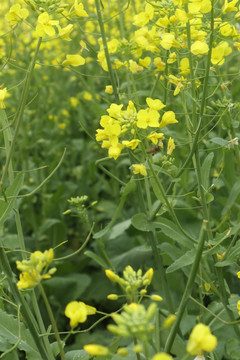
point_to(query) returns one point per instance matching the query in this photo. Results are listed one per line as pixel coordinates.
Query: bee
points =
(154, 150)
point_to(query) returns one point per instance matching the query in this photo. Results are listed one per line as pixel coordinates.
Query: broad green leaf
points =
(136, 257)
(219, 141)
(186, 259)
(172, 231)
(47, 224)
(140, 222)
(233, 349)
(206, 167)
(77, 355)
(130, 187)
(9, 330)
(12, 190)
(119, 229)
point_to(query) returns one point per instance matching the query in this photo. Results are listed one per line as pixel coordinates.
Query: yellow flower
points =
(154, 137)
(171, 146)
(169, 321)
(145, 62)
(96, 350)
(168, 118)
(109, 89)
(16, 14)
(238, 306)
(79, 9)
(200, 340)
(64, 32)
(172, 58)
(45, 25)
(156, 298)
(155, 104)
(238, 274)
(143, 17)
(229, 7)
(139, 169)
(162, 356)
(77, 312)
(199, 48)
(184, 67)
(74, 60)
(159, 64)
(74, 101)
(147, 117)
(168, 40)
(34, 269)
(3, 95)
(131, 144)
(62, 126)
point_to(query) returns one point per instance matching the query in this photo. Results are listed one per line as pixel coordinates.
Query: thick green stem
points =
(105, 46)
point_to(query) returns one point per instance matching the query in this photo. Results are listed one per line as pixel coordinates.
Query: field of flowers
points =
(120, 179)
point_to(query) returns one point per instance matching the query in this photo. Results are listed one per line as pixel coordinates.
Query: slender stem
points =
(188, 288)
(50, 314)
(105, 46)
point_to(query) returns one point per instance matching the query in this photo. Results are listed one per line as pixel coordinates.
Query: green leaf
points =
(140, 222)
(206, 167)
(172, 231)
(77, 355)
(156, 190)
(119, 229)
(235, 191)
(9, 330)
(96, 258)
(68, 287)
(233, 349)
(130, 187)
(12, 190)
(186, 259)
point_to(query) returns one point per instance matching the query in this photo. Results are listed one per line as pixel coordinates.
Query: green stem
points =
(50, 314)
(188, 288)
(105, 46)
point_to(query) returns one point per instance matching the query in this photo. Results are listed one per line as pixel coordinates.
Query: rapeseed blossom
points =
(34, 270)
(201, 340)
(77, 312)
(16, 14)
(46, 25)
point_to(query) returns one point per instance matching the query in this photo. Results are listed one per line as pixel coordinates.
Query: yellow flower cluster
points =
(34, 270)
(125, 128)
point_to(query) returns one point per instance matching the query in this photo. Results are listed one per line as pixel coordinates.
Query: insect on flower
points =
(154, 150)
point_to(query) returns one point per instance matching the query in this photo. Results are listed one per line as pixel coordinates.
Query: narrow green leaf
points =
(186, 259)
(96, 258)
(172, 231)
(119, 229)
(156, 190)
(206, 167)
(234, 193)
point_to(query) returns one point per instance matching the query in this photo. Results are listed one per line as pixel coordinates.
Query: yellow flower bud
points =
(156, 298)
(96, 350)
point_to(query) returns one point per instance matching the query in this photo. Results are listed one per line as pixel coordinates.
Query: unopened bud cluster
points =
(134, 321)
(47, 5)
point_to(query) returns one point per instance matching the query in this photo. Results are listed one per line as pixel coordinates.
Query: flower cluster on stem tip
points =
(34, 270)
